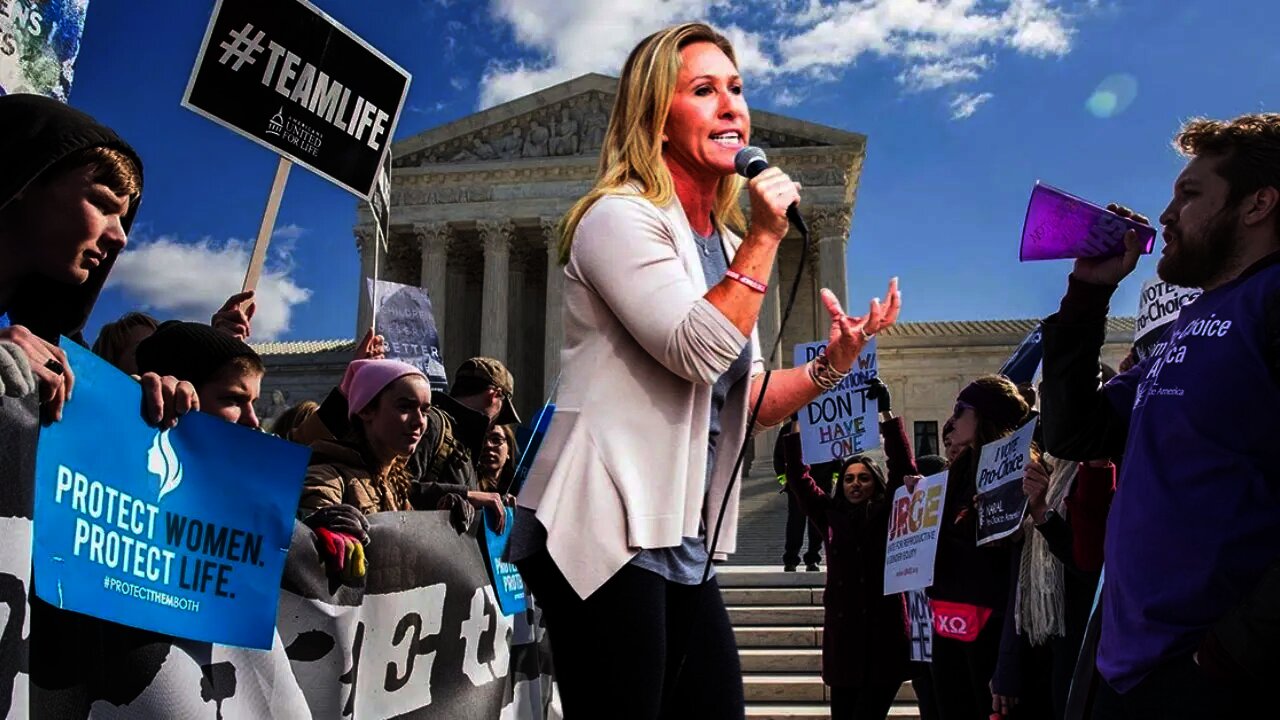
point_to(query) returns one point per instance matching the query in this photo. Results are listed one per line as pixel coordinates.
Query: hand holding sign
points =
(849, 335)
(1111, 270)
(235, 317)
(1035, 484)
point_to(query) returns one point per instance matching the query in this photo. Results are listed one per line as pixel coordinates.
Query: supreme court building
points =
(474, 207)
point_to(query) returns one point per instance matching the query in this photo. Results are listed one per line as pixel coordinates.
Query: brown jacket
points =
(337, 475)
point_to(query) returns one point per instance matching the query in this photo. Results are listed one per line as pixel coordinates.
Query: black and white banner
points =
(423, 637)
(286, 75)
(19, 428)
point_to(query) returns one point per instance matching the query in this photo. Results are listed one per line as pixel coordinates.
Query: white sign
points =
(1158, 306)
(840, 422)
(1001, 502)
(914, 523)
(920, 623)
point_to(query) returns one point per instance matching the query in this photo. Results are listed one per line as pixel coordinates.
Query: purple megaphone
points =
(1060, 225)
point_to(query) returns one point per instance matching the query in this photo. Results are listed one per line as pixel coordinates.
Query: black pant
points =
(797, 521)
(962, 673)
(1176, 691)
(869, 702)
(640, 647)
(922, 684)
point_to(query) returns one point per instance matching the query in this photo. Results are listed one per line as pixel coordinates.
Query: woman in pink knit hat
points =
(365, 473)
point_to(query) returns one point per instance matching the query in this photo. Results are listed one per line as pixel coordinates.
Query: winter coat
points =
(339, 474)
(865, 638)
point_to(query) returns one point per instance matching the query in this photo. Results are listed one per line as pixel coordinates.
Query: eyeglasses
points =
(500, 392)
(495, 440)
(960, 408)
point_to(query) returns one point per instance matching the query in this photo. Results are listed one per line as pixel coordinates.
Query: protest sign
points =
(531, 440)
(421, 637)
(180, 531)
(1158, 306)
(1001, 502)
(408, 326)
(920, 623)
(39, 43)
(1022, 365)
(1060, 225)
(507, 583)
(843, 421)
(289, 77)
(19, 430)
(914, 522)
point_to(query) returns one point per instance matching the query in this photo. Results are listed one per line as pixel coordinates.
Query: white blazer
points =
(623, 465)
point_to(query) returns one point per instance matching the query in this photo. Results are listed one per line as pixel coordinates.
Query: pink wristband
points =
(750, 282)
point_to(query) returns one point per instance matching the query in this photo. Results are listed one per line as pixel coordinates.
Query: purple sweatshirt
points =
(1196, 516)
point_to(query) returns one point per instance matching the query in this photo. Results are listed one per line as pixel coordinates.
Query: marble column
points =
(496, 235)
(553, 338)
(435, 238)
(365, 238)
(831, 232)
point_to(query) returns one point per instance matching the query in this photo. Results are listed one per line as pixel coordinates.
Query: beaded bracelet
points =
(823, 374)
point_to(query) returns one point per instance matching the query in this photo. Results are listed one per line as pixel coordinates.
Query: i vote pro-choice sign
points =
(182, 531)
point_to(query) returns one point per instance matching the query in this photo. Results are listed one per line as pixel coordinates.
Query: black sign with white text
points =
(285, 75)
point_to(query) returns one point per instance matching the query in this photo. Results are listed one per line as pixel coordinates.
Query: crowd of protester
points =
(1162, 472)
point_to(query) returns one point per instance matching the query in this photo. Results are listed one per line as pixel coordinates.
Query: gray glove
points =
(16, 378)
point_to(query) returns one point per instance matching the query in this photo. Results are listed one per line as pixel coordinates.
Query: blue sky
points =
(965, 103)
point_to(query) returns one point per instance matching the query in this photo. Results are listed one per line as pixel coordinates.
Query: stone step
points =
(781, 688)
(779, 637)
(771, 596)
(781, 660)
(775, 615)
(818, 711)
(766, 576)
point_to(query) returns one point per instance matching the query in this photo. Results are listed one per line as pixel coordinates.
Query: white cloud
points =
(932, 43)
(292, 231)
(190, 281)
(964, 105)
(932, 75)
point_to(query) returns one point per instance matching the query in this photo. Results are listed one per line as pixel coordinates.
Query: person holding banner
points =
(69, 190)
(1192, 547)
(971, 583)
(388, 402)
(660, 368)
(865, 645)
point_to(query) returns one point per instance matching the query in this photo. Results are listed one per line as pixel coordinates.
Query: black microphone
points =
(750, 162)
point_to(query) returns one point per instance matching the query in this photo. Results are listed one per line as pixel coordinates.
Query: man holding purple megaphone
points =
(1190, 613)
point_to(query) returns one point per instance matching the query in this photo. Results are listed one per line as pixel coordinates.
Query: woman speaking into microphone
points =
(660, 368)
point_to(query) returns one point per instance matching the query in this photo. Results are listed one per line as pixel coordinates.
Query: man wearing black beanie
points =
(226, 373)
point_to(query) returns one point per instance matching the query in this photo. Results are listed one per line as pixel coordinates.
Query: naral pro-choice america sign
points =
(286, 75)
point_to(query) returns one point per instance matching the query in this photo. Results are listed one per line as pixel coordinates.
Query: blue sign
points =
(1022, 364)
(507, 583)
(531, 441)
(182, 531)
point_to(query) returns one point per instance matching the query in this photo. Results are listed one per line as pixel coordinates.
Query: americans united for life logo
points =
(163, 461)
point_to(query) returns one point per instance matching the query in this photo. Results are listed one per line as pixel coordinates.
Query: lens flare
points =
(1113, 96)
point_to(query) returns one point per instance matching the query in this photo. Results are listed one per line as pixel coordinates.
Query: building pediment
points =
(569, 120)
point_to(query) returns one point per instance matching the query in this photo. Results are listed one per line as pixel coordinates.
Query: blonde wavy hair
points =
(632, 148)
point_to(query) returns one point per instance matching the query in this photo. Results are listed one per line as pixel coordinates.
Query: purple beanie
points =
(364, 379)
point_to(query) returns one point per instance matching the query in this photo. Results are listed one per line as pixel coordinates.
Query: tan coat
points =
(623, 465)
(339, 475)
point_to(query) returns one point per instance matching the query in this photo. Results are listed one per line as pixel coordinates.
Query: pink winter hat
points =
(364, 379)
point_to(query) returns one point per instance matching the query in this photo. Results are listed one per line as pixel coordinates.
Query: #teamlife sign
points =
(914, 523)
(1158, 306)
(182, 531)
(1001, 502)
(287, 76)
(840, 422)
